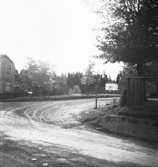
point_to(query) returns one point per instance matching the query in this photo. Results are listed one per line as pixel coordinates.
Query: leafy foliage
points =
(40, 80)
(134, 37)
(36, 77)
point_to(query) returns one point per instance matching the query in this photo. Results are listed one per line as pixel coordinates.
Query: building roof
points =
(5, 56)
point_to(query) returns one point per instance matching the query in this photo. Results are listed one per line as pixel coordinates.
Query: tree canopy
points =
(134, 37)
(36, 77)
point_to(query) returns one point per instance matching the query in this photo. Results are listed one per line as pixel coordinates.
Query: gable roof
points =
(5, 56)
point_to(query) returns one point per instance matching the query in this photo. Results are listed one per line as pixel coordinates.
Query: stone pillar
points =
(135, 91)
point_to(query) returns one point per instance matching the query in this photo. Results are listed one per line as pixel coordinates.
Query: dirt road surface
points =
(50, 134)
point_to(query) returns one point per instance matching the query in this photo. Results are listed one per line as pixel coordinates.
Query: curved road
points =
(43, 123)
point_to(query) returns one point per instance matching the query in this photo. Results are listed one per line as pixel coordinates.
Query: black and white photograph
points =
(78, 83)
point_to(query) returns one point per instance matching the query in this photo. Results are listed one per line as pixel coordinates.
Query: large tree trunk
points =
(136, 91)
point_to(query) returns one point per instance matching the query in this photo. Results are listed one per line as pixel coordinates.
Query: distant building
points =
(7, 75)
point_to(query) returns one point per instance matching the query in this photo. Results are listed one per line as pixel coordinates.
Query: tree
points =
(74, 79)
(25, 81)
(60, 85)
(88, 79)
(134, 37)
(36, 77)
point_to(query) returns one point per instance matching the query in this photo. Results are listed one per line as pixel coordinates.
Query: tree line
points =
(38, 79)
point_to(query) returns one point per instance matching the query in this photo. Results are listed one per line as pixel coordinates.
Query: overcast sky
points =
(59, 32)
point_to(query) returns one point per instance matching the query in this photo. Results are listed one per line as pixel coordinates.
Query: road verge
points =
(53, 98)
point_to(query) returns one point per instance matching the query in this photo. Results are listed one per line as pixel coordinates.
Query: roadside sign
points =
(111, 86)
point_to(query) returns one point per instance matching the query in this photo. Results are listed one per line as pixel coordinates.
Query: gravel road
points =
(43, 124)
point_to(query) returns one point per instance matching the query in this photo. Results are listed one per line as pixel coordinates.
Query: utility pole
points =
(96, 101)
(96, 94)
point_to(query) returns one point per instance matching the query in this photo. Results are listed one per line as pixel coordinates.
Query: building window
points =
(8, 87)
(9, 69)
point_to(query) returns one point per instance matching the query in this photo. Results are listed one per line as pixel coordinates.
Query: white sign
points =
(111, 86)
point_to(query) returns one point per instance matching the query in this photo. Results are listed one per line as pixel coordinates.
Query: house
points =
(7, 75)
